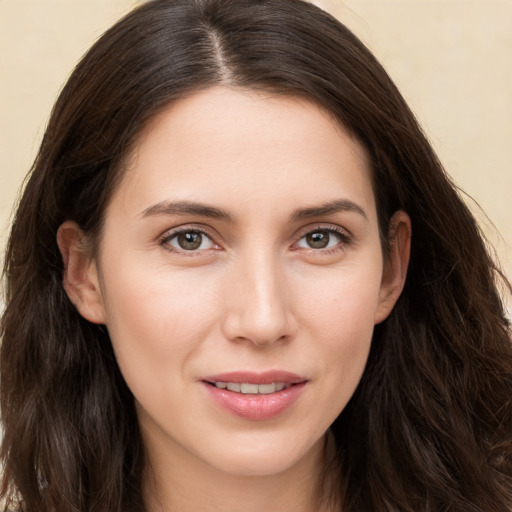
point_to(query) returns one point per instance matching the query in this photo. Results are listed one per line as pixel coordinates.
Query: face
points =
(240, 275)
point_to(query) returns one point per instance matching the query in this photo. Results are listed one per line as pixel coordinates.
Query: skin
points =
(256, 295)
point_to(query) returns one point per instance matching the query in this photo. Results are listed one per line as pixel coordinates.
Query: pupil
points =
(318, 239)
(190, 240)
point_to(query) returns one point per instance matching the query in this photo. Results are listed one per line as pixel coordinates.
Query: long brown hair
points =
(430, 425)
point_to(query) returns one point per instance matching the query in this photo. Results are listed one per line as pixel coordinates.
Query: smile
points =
(255, 396)
(252, 389)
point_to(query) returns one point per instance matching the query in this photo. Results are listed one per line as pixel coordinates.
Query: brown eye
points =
(318, 239)
(190, 241)
(321, 239)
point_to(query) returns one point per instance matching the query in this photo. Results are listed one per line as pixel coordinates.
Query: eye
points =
(322, 239)
(189, 240)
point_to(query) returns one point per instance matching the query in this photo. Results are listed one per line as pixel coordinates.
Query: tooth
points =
(253, 389)
(266, 389)
(249, 388)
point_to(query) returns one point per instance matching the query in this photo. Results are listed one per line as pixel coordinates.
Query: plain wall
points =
(450, 58)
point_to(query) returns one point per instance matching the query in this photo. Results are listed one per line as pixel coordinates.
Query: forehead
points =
(233, 145)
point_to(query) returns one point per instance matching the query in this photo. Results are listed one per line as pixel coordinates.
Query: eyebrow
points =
(339, 205)
(204, 210)
(187, 208)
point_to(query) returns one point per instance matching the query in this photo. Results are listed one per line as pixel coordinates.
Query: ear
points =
(80, 279)
(395, 266)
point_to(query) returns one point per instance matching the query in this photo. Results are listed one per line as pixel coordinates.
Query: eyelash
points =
(345, 239)
(168, 236)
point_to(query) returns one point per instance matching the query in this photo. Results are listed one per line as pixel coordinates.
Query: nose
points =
(258, 302)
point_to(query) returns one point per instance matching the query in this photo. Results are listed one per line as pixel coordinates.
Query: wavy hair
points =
(429, 428)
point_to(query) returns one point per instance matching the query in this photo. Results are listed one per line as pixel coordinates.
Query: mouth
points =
(252, 383)
(247, 388)
(255, 396)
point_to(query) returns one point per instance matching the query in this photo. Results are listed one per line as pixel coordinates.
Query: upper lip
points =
(267, 377)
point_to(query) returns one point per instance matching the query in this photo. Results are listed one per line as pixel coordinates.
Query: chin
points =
(260, 458)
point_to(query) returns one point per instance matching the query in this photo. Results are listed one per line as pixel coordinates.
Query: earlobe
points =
(395, 266)
(80, 279)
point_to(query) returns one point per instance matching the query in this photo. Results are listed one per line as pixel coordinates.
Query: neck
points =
(180, 483)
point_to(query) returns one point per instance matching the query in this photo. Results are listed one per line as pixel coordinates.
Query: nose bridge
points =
(259, 306)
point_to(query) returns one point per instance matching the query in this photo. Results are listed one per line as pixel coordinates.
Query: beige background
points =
(452, 59)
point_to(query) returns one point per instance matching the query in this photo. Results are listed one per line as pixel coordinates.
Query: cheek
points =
(156, 321)
(339, 320)
(342, 302)
(344, 330)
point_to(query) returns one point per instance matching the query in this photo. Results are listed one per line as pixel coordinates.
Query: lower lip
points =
(256, 407)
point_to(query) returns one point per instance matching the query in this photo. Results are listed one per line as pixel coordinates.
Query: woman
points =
(214, 300)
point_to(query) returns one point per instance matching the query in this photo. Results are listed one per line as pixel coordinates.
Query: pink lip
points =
(256, 407)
